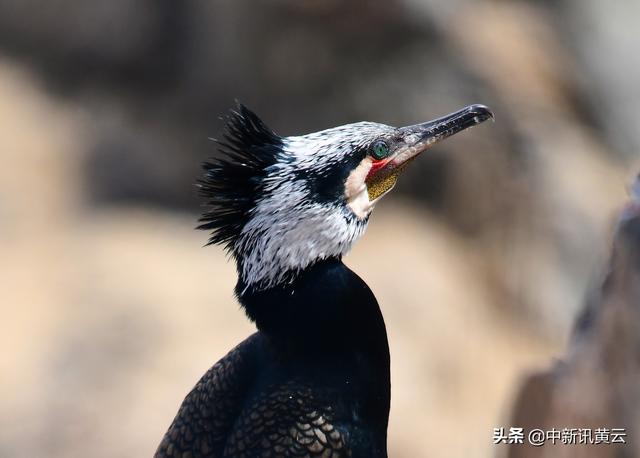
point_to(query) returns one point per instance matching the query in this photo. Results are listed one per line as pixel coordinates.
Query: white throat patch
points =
(356, 192)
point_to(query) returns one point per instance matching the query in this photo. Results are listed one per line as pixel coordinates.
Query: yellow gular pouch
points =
(379, 186)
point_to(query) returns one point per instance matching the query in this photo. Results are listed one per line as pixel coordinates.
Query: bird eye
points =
(379, 150)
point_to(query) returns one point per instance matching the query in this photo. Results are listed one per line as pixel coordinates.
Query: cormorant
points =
(314, 379)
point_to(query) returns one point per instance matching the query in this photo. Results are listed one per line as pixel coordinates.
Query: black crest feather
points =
(233, 181)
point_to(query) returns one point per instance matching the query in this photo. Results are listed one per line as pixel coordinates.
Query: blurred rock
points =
(604, 38)
(76, 44)
(597, 384)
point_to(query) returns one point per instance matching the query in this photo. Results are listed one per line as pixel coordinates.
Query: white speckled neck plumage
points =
(286, 236)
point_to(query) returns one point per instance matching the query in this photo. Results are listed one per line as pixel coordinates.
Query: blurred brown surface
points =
(480, 258)
(597, 383)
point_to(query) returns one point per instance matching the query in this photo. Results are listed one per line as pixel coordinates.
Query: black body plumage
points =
(313, 381)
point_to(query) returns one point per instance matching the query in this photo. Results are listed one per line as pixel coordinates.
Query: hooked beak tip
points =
(481, 112)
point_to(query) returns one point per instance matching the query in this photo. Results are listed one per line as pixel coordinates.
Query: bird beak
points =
(417, 138)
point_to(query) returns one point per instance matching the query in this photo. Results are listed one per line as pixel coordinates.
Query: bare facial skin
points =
(356, 191)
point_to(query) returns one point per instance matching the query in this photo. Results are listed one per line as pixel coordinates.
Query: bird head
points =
(280, 204)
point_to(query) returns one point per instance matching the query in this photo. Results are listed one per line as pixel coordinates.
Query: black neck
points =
(327, 306)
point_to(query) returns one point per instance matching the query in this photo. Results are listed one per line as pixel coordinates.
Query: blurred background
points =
(481, 258)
